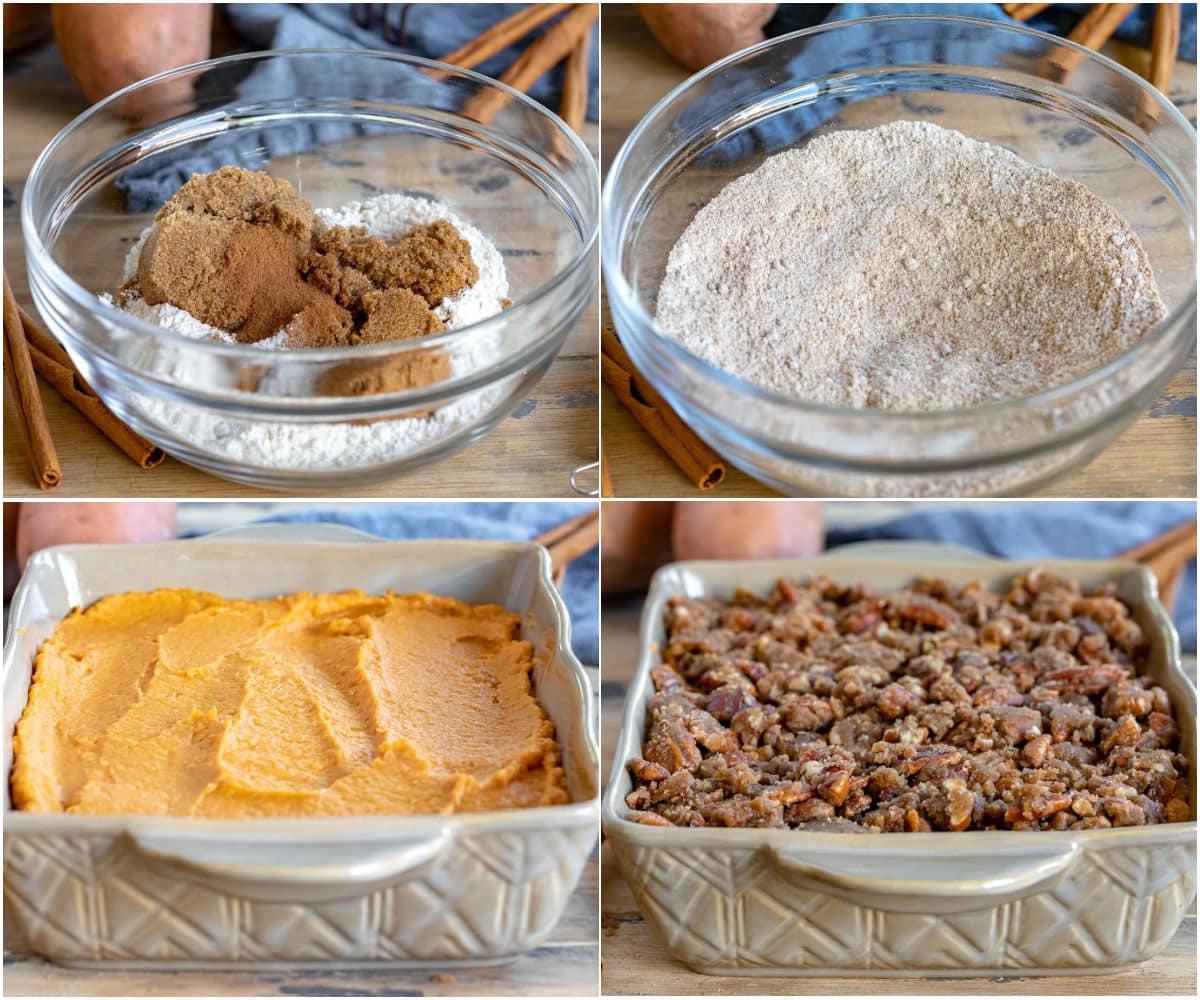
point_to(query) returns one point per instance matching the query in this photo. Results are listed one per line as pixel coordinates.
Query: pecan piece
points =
(649, 819)
(1124, 734)
(997, 694)
(727, 700)
(1085, 680)
(672, 746)
(648, 771)
(835, 788)
(896, 700)
(1177, 811)
(933, 616)
(804, 812)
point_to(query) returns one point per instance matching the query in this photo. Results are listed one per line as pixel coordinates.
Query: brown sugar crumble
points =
(939, 707)
(244, 252)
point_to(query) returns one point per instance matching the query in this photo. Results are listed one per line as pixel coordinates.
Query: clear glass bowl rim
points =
(239, 352)
(624, 293)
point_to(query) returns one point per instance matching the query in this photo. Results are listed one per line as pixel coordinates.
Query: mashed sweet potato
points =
(183, 703)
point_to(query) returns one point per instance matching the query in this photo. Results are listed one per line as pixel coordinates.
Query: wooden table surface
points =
(530, 454)
(635, 961)
(1155, 458)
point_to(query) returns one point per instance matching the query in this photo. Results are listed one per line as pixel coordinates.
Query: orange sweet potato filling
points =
(183, 703)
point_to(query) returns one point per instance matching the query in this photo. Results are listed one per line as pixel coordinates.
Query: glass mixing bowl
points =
(1103, 127)
(340, 125)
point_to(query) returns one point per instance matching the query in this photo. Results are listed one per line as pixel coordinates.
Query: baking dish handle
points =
(967, 874)
(241, 865)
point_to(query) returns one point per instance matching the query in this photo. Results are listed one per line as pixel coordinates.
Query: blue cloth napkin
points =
(1058, 19)
(429, 30)
(516, 522)
(1058, 530)
(783, 129)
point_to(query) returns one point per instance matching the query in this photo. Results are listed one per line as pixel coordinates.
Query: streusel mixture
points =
(940, 707)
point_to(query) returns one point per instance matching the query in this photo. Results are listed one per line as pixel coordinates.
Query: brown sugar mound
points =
(432, 260)
(248, 195)
(243, 251)
(394, 314)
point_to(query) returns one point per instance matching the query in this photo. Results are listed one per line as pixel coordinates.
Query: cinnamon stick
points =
(575, 84)
(695, 459)
(1164, 46)
(550, 48)
(1167, 556)
(1181, 536)
(1094, 29)
(1024, 11)
(502, 34)
(55, 366)
(568, 541)
(17, 361)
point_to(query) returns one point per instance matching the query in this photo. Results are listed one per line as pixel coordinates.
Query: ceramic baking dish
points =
(780, 902)
(456, 890)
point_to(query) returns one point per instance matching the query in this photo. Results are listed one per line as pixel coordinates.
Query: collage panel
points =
(407, 586)
(338, 271)
(301, 749)
(899, 250)
(947, 747)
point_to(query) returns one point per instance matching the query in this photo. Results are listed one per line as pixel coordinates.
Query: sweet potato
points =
(25, 24)
(774, 529)
(107, 46)
(697, 34)
(44, 524)
(636, 540)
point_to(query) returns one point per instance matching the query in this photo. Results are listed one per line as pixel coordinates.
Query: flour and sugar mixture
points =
(907, 267)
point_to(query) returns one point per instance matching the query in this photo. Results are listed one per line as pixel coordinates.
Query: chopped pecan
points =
(942, 707)
(645, 770)
(896, 700)
(933, 615)
(671, 746)
(997, 694)
(650, 819)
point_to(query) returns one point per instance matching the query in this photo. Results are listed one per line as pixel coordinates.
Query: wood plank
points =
(1156, 457)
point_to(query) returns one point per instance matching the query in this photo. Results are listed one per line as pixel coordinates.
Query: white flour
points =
(906, 267)
(283, 445)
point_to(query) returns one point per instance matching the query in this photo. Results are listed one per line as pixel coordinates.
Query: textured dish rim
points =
(306, 829)
(613, 809)
(59, 279)
(621, 289)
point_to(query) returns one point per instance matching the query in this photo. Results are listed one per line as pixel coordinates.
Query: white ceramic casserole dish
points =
(405, 891)
(981, 903)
